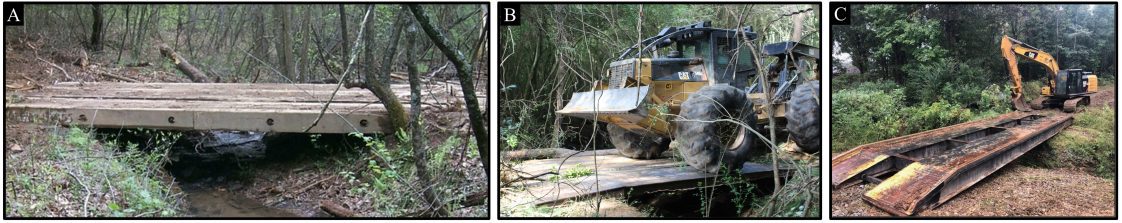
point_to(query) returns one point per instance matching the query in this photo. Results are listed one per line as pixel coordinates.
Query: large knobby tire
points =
(804, 117)
(635, 145)
(707, 137)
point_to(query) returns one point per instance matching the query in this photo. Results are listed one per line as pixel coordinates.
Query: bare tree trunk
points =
(368, 50)
(284, 47)
(305, 59)
(343, 30)
(124, 37)
(383, 74)
(396, 112)
(96, 34)
(420, 153)
(466, 82)
(260, 45)
(191, 19)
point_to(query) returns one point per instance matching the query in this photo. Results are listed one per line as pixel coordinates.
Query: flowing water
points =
(209, 201)
(209, 170)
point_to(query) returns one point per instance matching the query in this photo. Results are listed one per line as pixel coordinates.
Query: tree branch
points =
(345, 73)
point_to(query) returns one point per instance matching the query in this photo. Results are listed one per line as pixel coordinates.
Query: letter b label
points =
(510, 15)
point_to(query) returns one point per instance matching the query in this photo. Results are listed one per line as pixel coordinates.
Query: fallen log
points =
(191, 71)
(529, 154)
(335, 209)
(475, 199)
(119, 77)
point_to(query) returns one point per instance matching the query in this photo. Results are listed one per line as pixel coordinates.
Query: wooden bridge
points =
(553, 180)
(215, 106)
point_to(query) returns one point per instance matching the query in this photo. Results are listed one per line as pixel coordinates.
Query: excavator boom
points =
(1010, 50)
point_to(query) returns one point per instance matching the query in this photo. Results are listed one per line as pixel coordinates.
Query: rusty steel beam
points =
(924, 170)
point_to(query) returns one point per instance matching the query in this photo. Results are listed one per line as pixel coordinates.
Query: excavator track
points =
(920, 171)
(1071, 105)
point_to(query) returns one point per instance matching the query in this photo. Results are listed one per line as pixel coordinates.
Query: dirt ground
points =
(1104, 97)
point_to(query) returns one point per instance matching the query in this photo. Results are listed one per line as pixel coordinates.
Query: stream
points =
(209, 171)
(206, 201)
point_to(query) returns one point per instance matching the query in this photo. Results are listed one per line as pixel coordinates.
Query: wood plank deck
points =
(215, 106)
(613, 172)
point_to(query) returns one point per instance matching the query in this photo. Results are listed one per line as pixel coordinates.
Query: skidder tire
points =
(635, 145)
(707, 138)
(804, 117)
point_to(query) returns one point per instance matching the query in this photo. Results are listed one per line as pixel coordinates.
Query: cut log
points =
(335, 209)
(191, 71)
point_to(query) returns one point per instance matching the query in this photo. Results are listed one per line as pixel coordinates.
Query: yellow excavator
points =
(1068, 88)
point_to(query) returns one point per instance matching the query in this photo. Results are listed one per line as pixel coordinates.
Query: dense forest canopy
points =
(920, 44)
(244, 43)
(559, 49)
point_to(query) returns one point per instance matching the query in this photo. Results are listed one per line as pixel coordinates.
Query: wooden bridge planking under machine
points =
(611, 172)
(216, 106)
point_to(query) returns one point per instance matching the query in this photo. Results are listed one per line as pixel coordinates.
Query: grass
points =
(71, 173)
(1087, 144)
(577, 171)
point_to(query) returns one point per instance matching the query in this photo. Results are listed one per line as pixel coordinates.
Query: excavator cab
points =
(1072, 82)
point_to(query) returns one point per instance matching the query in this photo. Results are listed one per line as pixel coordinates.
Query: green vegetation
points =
(74, 174)
(865, 114)
(1087, 144)
(389, 173)
(876, 111)
(925, 66)
(579, 171)
(799, 195)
